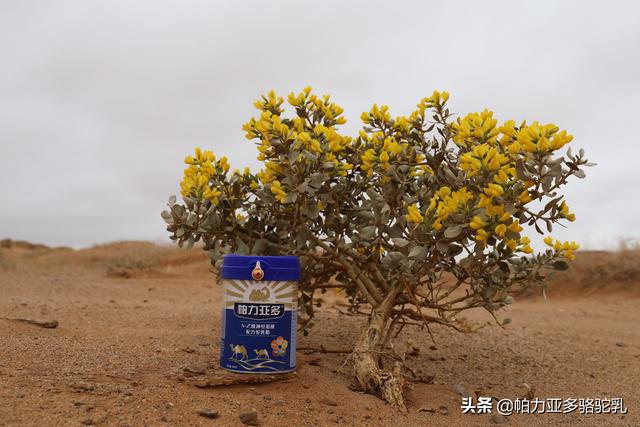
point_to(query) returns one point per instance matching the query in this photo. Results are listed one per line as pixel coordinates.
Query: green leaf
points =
(368, 232)
(560, 265)
(366, 215)
(454, 231)
(418, 253)
(317, 179)
(241, 247)
(392, 259)
(260, 246)
(399, 241)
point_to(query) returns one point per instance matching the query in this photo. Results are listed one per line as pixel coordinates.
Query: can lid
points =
(273, 267)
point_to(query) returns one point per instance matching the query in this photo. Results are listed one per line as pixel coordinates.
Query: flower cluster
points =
(312, 135)
(445, 202)
(276, 189)
(202, 170)
(564, 249)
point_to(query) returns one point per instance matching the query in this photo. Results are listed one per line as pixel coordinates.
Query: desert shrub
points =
(416, 218)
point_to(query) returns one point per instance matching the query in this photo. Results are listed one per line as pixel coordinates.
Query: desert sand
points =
(138, 337)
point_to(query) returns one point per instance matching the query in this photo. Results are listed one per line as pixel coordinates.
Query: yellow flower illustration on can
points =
(279, 346)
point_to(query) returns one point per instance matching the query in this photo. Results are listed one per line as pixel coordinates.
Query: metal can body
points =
(259, 314)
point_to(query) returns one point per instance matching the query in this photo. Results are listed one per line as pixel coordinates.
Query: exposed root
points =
(371, 378)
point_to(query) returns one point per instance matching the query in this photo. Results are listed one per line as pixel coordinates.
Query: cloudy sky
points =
(100, 101)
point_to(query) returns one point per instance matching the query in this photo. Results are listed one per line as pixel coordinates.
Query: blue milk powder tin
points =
(259, 314)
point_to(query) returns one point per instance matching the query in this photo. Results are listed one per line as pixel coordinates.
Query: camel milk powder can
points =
(259, 313)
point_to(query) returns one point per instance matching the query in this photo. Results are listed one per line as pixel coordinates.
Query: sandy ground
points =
(143, 350)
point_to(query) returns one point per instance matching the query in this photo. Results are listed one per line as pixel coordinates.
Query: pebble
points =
(328, 402)
(80, 387)
(209, 413)
(249, 418)
(621, 344)
(461, 390)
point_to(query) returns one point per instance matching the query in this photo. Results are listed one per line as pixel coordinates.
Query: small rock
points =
(329, 402)
(444, 410)
(188, 350)
(249, 418)
(193, 370)
(87, 422)
(433, 347)
(83, 387)
(498, 419)
(461, 390)
(413, 351)
(621, 344)
(209, 413)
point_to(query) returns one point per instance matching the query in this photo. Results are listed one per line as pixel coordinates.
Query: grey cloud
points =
(100, 101)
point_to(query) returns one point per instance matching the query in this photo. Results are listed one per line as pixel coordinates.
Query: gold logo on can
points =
(258, 272)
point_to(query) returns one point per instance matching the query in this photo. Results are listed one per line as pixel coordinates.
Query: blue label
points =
(258, 344)
(259, 326)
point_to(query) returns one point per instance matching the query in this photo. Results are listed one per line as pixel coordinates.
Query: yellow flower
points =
(477, 223)
(515, 227)
(512, 244)
(494, 190)
(500, 230)
(481, 235)
(548, 241)
(525, 197)
(564, 212)
(212, 194)
(276, 189)
(223, 164)
(414, 214)
(475, 127)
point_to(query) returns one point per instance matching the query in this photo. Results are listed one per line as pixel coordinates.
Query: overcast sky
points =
(100, 101)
